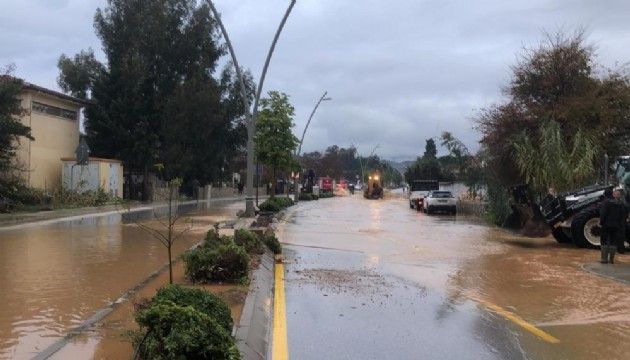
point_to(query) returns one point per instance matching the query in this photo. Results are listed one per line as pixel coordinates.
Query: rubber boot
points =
(604, 250)
(612, 249)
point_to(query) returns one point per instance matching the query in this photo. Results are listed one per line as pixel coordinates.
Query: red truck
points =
(326, 184)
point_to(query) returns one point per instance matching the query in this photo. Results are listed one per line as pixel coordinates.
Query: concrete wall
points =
(55, 137)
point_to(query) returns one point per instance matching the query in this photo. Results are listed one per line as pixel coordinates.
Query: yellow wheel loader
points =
(374, 188)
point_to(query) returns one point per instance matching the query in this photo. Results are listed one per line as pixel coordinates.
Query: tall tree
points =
(470, 167)
(430, 150)
(274, 141)
(425, 167)
(11, 129)
(555, 91)
(78, 75)
(156, 100)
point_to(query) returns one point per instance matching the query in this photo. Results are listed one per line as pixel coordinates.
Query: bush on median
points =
(223, 263)
(308, 197)
(275, 204)
(249, 240)
(324, 195)
(273, 244)
(183, 323)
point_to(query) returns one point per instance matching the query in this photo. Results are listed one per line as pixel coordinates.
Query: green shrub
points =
(172, 332)
(249, 240)
(269, 205)
(284, 202)
(275, 204)
(24, 196)
(213, 239)
(225, 263)
(324, 195)
(498, 206)
(273, 244)
(308, 197)
(201, 300)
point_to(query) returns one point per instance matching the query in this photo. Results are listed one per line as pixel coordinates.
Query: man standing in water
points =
(612, 219)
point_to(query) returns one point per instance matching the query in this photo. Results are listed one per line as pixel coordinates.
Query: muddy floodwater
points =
(54, 277)
(534, 290)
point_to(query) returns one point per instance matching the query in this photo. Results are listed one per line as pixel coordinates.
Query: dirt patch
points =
(361, 282)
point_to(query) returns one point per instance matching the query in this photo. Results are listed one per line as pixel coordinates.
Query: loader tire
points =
(560, 236)
(585, 229)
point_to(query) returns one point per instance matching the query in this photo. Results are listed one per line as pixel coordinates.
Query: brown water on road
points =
(54, 277)
(504, 274)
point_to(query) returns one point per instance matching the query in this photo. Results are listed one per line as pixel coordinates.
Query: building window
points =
(54, 111)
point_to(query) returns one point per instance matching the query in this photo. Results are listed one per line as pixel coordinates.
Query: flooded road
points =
(374, 278)
(54, 277)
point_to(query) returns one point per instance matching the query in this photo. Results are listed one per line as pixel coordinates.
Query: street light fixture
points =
(299, 151)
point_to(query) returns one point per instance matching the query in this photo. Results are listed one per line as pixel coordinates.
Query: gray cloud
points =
(399, 72)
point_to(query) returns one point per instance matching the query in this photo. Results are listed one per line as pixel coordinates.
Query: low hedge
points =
(249, 240)
(202, 300)
(172, 331)
(324, 195)
(273, 244)
(223, 263)
(307, 197)
(213, 239)
(275, 204)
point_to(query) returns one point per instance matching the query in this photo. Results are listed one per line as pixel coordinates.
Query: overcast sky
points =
(398, 71)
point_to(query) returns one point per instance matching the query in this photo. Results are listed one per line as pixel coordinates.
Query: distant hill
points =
(400, 166)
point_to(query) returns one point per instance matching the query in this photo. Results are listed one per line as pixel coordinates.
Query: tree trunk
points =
(274, 183)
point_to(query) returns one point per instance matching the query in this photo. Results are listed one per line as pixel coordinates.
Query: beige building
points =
(54, 121)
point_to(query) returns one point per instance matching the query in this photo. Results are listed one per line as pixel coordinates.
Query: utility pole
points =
(249, 117)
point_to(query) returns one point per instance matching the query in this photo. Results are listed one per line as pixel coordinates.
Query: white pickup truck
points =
(418, 190)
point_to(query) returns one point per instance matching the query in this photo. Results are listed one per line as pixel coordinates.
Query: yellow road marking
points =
(514, 318)
(279, 346)
(280, 350)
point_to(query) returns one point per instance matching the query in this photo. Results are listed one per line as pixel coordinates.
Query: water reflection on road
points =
(54, 277)
(534, 279)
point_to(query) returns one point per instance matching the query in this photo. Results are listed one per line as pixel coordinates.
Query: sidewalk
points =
(13, 219)
(619, 272)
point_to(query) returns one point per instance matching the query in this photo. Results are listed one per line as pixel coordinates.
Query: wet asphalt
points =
(373, 279)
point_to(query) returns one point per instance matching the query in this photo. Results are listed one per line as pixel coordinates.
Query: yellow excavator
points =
(374, 188)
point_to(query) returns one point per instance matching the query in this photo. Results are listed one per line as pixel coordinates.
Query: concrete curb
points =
(254, 330)
(615, 272)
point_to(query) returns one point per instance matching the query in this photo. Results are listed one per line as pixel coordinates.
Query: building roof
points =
(32, 87)
(29, 86)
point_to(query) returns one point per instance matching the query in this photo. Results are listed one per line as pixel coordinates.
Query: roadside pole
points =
(250, 118)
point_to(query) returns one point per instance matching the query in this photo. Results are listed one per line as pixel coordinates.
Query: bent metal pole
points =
(309, 120)
(250, 119)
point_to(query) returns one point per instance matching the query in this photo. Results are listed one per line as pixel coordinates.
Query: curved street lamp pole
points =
(250, 118)
(323, 98)
(299, 151)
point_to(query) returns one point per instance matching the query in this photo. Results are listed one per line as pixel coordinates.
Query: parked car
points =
(440, 200)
